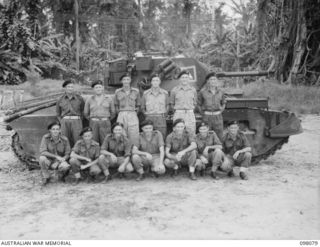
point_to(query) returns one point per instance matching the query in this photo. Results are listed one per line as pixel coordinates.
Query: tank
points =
(266, 129)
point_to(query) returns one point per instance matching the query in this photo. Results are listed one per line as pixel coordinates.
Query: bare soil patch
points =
(279, 201)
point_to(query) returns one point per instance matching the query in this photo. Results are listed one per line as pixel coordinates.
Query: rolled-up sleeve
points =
(245, 141)
(86, 111)
(67, 148)
(105, 144)
(168, 141)
(43, 145)
(76, 147)
(195, 98)
(127, 148)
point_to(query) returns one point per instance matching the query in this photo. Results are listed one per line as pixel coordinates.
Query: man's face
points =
(117, 130)
(184, 79)
(126, 81)
(147, 129)
(98, 89)
(233, 129)
(87, 136)
(179, 128)
(69, 88)
(55, 130)
(203, 130)
(155, 82)
(213, 81)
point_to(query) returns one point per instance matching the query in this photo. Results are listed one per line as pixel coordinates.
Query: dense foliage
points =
(38, 36)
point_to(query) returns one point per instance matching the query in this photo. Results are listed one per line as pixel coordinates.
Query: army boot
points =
(214, 175)
(106, 179)
(243, 176)
(140, 177)
(45, 181)
(231, 173)
(174, 173)
(192, 176)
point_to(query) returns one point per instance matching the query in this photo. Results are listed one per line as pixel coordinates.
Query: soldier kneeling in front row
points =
(149, 152)
(84, 155)
(237, 150)
(116, 152)
(181, 149)
(54, 153)
(209, 150)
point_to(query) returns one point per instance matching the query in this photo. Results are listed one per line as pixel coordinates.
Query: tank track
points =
(30, 162)
(271, 152)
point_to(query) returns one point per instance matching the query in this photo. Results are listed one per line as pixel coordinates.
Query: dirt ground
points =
(279, 201)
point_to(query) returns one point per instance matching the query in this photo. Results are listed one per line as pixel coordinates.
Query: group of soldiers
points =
(101, 146)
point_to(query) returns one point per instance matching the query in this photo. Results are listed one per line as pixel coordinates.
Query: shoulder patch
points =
(64, 138)
(117, 90)
(46, 135)
(147, 91)
(164, 91)
(95, 143)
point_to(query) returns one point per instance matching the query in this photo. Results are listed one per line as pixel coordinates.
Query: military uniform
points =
(92, 153)
(127, 105)
(121, 148)
(60, 147)
(177, 144)
(99, 114)
(213, 157)
(183, 99)
(211, 104)
(155, 103)
(69, 111)
(230, 146)
(153, 148)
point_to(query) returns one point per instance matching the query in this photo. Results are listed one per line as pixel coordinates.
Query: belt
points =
(99, 118)
(178, 110)
(127, 110)
(212, 112)
(71, 117)
(156, 114)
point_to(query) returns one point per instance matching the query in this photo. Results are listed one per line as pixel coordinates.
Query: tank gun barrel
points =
(244, 73)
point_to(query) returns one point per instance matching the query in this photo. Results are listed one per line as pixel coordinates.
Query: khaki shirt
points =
(70, 106)
(183, 98)
(60, 147)
(177, 144)
(127, 102)
(155, 101)
(92, 152)
(119, 148)
(230, 146)
(210, 140)
(152, 146)
(209, 101)
(103, 109)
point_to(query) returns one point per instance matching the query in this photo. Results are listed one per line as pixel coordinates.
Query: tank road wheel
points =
(25, 158)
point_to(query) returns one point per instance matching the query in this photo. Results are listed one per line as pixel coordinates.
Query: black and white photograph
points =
(159, 120)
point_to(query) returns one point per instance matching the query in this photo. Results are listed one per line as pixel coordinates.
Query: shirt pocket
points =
(82, 151)
(132, 99)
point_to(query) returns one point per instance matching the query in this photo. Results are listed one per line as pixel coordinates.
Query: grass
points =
(297, 99)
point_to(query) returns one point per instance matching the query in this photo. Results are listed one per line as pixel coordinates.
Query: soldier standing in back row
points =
(127, 103)
(69, 110)
(99, 109)
(212, 103)
(155, 105)
(183, 100)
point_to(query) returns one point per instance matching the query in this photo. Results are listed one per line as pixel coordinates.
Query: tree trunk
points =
(300, 43)
(260, 23)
